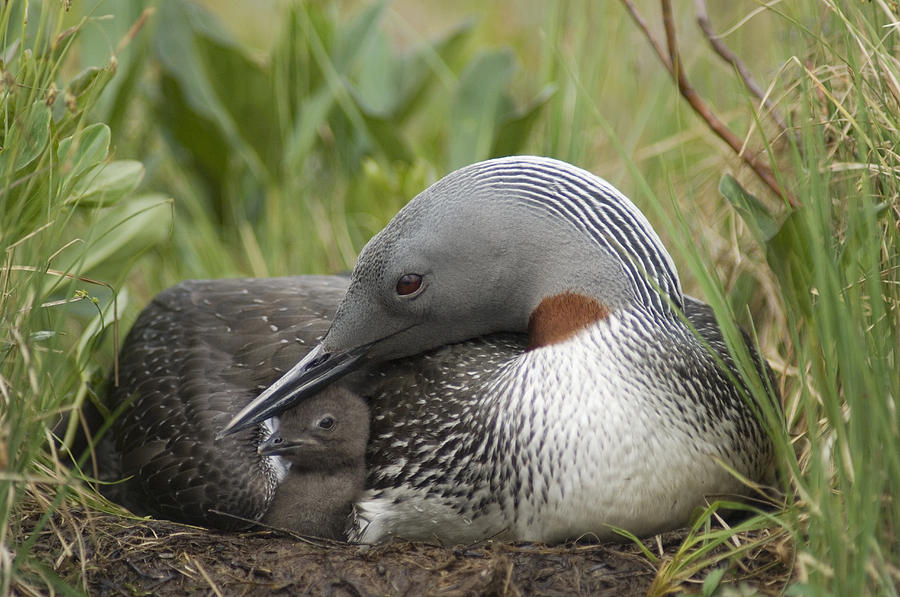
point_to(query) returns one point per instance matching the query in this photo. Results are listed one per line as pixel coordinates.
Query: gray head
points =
(477, 253)
(479, 250)
(328, 431)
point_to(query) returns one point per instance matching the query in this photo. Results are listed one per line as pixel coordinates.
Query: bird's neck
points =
(559, 317)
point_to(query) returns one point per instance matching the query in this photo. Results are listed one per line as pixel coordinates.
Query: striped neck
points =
(597, 210)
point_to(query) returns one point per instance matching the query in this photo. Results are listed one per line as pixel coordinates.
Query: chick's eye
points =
(408, 284)
(326, 422)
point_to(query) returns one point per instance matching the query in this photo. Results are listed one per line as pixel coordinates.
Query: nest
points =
(108, 554)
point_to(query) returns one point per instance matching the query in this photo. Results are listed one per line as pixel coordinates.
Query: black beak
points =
(315, 371)
(277, 445)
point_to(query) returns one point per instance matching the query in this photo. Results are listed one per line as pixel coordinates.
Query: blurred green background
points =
(148, 142)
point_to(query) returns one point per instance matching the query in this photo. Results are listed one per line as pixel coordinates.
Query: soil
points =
(105, 554)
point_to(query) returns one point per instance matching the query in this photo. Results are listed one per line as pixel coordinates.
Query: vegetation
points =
(158, 144)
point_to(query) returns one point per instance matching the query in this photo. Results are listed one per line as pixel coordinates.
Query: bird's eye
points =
(326, 422)
(408, 284)
(276, 440)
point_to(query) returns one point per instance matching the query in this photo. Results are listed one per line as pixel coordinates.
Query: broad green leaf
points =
(27, 138)
(313, 113)
(430, 64)
(88, 83)
(378, 87)
(106, 184)
(123, 232)
(762, 224)
(712, 580)
(515, 129)
(385, 133)
(356, 37)
(356, 139)
(187, 73)
(251, 109)
(741, 293)
(307, 20)
(335, 66)
(477, 107)
(82, 81)
(94, 40)
(388, 86)
(789, 254)
(197, 138)
(88, 147)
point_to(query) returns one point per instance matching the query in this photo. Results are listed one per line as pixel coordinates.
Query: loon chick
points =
(614, 414)
(323, 441)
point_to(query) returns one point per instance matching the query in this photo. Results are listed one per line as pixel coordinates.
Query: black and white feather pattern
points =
(626, 423)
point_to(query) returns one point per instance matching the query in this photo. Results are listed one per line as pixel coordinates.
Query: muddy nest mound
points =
(106, 554)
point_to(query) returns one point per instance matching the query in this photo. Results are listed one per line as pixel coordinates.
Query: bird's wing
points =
(196, 355)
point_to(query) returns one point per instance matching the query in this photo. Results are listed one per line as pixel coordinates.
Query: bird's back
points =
(196, 355)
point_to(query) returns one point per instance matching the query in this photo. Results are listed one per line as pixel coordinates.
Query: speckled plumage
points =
(481, 439)
(196, 355)
(625, 421)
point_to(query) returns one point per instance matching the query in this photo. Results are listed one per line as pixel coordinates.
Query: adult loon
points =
(517, 331)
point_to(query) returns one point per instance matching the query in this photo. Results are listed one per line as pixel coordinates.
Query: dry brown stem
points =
(671, 59)
(730, 57)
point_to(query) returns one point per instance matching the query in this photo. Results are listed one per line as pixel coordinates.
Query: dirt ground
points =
(105, 554)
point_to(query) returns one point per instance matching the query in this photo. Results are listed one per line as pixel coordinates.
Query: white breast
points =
(611, 447)
(601, 440)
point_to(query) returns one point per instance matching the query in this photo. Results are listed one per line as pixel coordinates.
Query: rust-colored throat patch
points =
(559, 317)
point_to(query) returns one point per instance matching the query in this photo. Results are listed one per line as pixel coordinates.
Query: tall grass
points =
(285, 150)
(66, 210)
(843, 309)
(834, 261)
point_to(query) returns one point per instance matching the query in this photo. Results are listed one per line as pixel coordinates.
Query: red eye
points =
(408, 284)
